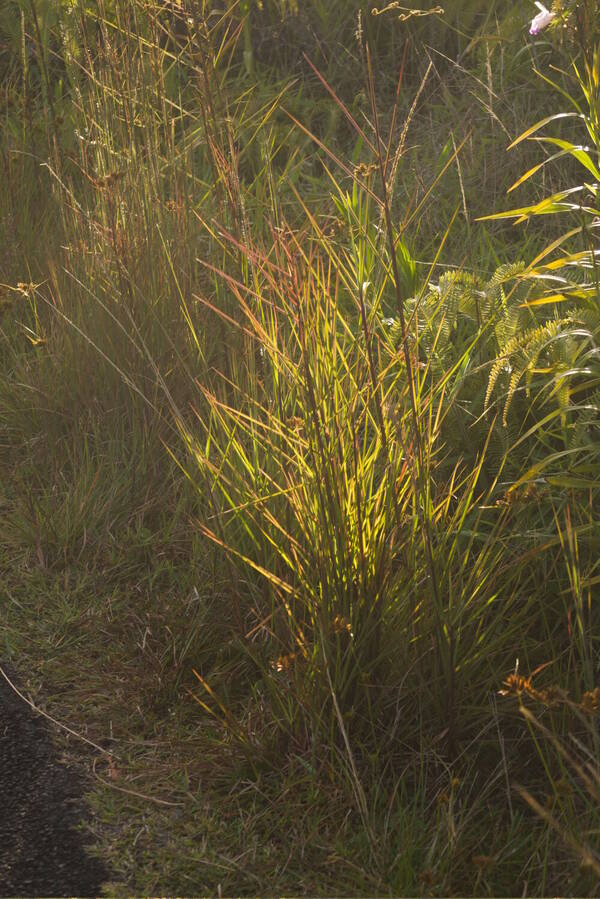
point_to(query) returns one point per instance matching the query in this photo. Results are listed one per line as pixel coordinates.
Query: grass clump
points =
(299, 459)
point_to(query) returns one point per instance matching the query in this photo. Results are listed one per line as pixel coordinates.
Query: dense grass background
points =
(299, 463)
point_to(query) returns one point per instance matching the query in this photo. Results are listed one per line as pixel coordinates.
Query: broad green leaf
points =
(578, 151)
(573, 482)
(556, 298)
(547, 206)
(541, 123)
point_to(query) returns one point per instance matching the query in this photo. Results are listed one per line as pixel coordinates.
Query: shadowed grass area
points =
(299, 458)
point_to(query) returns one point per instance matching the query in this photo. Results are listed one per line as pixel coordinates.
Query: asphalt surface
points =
(41, 852)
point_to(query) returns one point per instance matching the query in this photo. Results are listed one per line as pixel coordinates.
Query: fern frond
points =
(520, 356)
(587, 425)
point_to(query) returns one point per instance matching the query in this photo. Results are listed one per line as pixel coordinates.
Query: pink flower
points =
(542, 20)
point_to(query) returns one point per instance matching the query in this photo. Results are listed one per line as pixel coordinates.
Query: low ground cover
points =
(299, 454)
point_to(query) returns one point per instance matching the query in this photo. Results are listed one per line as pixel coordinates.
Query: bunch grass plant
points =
(296, 453)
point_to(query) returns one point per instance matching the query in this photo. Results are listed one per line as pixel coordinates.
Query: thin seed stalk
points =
(423, 518)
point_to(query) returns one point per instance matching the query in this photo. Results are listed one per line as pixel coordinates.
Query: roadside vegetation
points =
(299, 436)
